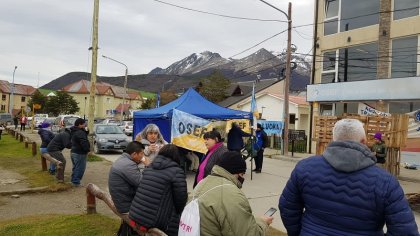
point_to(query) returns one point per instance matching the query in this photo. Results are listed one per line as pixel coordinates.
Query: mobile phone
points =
(271, 211)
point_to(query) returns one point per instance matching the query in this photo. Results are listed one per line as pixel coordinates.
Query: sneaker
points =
(258, 171)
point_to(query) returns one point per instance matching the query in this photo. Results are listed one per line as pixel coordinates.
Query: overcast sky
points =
(50, 38)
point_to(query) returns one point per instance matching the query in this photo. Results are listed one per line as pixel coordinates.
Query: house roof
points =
(82, 86)
(125, 109)
(20, 89)
(296, 100)
(246, 88)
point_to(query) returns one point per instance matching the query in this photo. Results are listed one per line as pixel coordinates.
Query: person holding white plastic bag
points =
(223, 207)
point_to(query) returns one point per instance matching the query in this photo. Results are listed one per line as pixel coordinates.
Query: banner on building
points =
(367, 110)
(244, 124)
(272, 127)
(187, 131)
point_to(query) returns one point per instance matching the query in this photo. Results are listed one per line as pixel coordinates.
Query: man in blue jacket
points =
(343, 192)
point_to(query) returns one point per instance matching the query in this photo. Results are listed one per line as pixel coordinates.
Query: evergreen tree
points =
(214, 86)
(62, 103)
(38, 98)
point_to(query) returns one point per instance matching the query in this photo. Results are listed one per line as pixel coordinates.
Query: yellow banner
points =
(245, 125)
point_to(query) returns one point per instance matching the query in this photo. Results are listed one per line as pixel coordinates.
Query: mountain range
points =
(187, 72)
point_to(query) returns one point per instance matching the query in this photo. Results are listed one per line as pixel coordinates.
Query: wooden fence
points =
(393, 128)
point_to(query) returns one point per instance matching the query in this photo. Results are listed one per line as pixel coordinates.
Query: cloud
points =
(52, 37)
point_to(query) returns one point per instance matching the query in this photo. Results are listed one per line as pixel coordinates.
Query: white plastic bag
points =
(189, 224)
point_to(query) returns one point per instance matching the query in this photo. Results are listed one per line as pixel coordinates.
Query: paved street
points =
(264, 189)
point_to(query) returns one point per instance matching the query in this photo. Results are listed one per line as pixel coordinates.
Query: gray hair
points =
(150, 128)
(349, 130)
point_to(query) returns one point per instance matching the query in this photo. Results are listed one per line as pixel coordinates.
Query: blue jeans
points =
(52, 165)
(79, 167)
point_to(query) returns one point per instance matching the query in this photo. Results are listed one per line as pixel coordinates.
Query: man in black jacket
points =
(235, 135)
(80, 147)
(57, 145)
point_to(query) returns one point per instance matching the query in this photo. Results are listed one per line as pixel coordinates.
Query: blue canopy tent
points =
(190, 102)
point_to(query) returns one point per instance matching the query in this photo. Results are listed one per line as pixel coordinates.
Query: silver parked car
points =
(127, 127)
(109, 137)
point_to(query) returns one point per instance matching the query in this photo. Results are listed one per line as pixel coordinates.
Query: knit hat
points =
(232, 162)
(378, 136)
(45, 125)
(259, 126)
(79, 121)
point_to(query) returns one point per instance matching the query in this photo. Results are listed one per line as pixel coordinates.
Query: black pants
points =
(259, 159)
(22, 127)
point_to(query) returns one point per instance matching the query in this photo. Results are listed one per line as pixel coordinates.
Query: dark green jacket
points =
(380, 149)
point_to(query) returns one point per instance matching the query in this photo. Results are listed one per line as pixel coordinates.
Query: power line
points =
(258, 43)
(216, 14)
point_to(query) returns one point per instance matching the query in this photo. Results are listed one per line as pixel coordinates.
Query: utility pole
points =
(285, 146)
(91, 113)
(12, 91)
(287, 81)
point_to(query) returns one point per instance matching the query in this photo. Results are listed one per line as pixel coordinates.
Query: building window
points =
(344, 15)
(23, 99)
(331, 16)
(108, 100)
(292, 119)
(404, 57)
(3, 97)
(359, 13)
(3, 107)
(329, 67)
(358, 63)
(405, 8)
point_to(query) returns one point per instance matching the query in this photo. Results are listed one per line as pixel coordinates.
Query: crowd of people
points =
(344, 191)
(74, 138)
(347, 194)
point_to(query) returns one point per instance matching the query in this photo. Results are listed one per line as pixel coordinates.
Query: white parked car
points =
(127, 127)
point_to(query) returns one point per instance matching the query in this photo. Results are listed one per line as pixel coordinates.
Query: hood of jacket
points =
(161, 162)
(219, 171)
(349, 156)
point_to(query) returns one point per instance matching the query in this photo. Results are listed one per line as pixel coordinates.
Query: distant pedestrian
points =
(16, 122)
(215, 147)
(1, 130)
(46, 137)
(152, 139)
(58, 143)
(343, 192)
(23, 121)
(235, 136)
(124, 179)
(224, 208)
(161, 195)
(80, 147)
(260, 144)
(379, 149)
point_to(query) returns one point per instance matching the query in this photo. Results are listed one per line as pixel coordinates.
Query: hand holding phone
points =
(270, 211)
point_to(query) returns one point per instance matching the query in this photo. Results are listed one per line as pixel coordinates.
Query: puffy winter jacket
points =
(235, 138)
(160, 197)
(343, 192)
(79, 141)
(46, 137)
(213, 160)
(124, 178)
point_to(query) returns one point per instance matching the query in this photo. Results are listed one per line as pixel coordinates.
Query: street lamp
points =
(287, 79)
(163, 85)
(12, 91)
(125, 83)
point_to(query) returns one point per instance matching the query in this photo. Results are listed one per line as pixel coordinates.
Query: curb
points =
(24, 191)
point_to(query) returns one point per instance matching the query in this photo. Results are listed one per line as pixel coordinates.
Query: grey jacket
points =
(124, 178)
